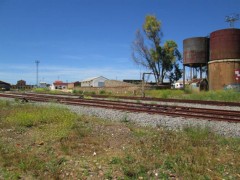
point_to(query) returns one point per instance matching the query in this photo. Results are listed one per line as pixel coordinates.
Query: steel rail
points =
(204, 102)
(152, 106)
(176, 111)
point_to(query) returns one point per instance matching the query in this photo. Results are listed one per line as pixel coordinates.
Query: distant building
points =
(132, 81)
(177, 85)
(43, 85)
(59, 85)
(4, 86)
(94, 82)
(62, 85)
(199, 85)
(77, 83)
(21, 84)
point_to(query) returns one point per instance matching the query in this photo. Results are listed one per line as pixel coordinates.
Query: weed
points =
(8, 103)
(102, 92)
(115, 160)
(108, 174)
(77, 91)
(153, 103)
(129, 159)
(138, 101)
(113, 99)
(198, 135)
(6, 174)
(125, 119)
(168, 163)
(165, 95)
(16, 100)
(138, 132)
(88, 93)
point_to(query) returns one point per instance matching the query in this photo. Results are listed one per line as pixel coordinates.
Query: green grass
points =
(220, 95)
(165, 93)
(41, 90)
(49, 142)
(48, 91)
(228, 96)
(59, 121)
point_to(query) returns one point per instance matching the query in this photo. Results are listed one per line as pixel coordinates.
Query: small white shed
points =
(43, 85)
(94, 82)
(177, 85)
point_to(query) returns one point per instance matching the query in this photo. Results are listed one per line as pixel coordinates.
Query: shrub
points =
(102, 92)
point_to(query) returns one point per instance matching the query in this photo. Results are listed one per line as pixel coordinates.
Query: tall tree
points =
(161, 60)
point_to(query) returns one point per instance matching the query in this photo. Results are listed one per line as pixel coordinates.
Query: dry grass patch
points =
(38, 142)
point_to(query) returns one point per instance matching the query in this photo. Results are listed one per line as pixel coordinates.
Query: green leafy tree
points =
(148, 52)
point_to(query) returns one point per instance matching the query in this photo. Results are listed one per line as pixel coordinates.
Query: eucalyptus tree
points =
(148, 52)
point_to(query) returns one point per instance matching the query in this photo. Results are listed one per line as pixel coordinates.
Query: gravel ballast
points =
(171, 123)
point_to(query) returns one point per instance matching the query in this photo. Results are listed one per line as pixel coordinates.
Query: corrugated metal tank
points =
(224, 58)
(196, 51)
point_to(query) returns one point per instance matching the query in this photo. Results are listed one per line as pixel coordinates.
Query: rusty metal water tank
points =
(196, 51)
(225, 44)
(224, 58)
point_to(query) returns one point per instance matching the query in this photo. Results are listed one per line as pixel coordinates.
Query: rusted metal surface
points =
(222, 73)
(196, 51)
(225, 44)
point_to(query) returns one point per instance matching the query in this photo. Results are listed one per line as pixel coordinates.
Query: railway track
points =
(174, 111)
(188, 101)
(217, 103)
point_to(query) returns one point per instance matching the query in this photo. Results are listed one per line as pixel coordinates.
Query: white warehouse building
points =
(94, 82)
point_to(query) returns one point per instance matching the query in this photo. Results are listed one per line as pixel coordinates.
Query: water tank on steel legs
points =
(224, 58)
(196, 51)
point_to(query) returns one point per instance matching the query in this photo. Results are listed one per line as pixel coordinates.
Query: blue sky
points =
(78, 39)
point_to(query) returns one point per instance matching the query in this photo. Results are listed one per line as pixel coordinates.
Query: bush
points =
(89, 93)
(102, 92)
(77, 91)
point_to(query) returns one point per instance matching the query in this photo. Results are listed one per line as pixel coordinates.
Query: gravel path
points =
(172, 123)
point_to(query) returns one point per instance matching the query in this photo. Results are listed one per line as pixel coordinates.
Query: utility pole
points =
(37, 63)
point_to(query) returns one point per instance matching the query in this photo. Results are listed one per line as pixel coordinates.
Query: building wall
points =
(70, 85)
(86, 84)
(97, 82)
(4, 86)
(115, 83)
(21, 83)
(60, 86)
(42, 85)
